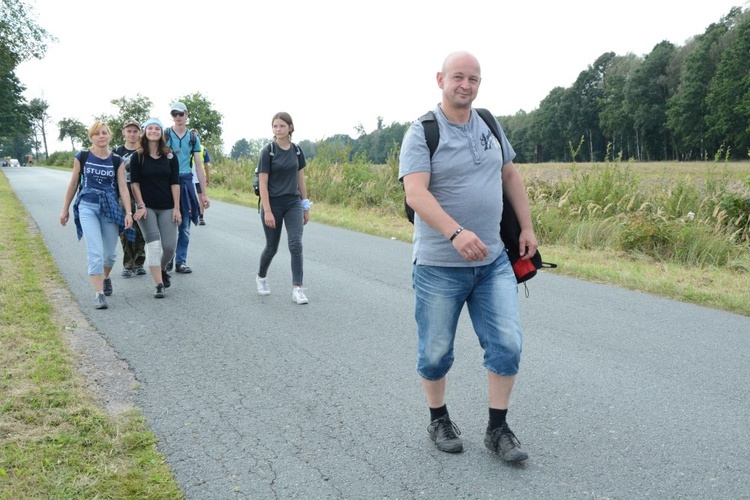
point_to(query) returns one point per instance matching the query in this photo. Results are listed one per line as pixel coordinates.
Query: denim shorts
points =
(491, 295)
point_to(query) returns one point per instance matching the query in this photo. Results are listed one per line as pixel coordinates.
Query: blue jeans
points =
(101, 237)
(491, 295)
(183, 240)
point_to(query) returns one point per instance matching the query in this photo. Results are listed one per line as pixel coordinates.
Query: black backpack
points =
(510, 228)
(256, 179)
(84, 158)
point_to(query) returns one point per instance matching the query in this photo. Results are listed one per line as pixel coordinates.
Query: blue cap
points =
(152, 121)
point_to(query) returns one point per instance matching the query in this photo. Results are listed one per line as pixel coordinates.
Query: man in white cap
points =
(185, 145)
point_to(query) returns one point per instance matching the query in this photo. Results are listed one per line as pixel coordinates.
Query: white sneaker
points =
(262, 284)
(299, 296)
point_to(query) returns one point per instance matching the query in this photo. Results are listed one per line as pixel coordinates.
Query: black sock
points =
(436, 413)
(497, 418)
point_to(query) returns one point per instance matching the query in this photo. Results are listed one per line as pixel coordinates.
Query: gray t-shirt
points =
(282, 169)
(466, 180)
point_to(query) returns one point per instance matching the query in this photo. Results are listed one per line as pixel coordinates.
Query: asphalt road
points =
(620, 395)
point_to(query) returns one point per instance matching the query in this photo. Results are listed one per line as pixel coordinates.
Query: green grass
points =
(56, 441)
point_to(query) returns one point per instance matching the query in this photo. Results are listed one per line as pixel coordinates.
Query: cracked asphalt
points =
(620, 395)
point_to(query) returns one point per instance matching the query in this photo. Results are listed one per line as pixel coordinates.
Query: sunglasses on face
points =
(176, 113)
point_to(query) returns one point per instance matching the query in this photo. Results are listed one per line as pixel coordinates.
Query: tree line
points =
(675, 103)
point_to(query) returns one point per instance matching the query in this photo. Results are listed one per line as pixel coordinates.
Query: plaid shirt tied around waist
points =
(110, 210)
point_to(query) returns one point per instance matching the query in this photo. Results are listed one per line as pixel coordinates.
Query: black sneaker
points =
(126, 273)
(170, 265)
(445, 434)
(166, 279)
(140, 271)
(503, 442)
(201, 222)
(159, 292)
(107, 286)
(183, 268)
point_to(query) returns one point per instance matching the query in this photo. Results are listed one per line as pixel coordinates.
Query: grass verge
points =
(56, 441)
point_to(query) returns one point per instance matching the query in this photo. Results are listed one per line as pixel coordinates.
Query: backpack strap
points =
(431, 137)
(256, 174)
(431, 131)
(486, 115)
(82, 161)
(272, 146)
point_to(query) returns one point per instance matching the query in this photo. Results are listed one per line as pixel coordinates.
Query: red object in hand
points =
(524, 270)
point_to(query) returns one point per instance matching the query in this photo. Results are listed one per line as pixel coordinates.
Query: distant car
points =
(14, 163)
(3, 163)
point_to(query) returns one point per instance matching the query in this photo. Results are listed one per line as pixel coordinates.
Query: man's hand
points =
(471, 248)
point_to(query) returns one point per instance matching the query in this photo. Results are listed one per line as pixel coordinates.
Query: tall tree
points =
(615, 122)
(729, 116)
(584, 97)
(646, 95)
(39, 117)
(14, 118)
(137, 108)
(74, 130)
(688, 109)
(241, 149)
(20, 39)
(206, 120)
(516, 128)
(549, 126)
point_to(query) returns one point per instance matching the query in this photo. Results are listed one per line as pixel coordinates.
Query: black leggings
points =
(286, 210)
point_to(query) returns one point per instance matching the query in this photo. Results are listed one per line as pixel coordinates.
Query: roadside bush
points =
(668, 239)
(604, 186)
(736, 208)
(651, 234)
(355, 183)
(234, 175)
(61, 159)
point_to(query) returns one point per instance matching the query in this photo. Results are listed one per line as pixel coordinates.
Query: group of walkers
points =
(150, 189)
(458, 255)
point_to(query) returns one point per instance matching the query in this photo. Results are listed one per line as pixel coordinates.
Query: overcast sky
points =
(332, 64)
